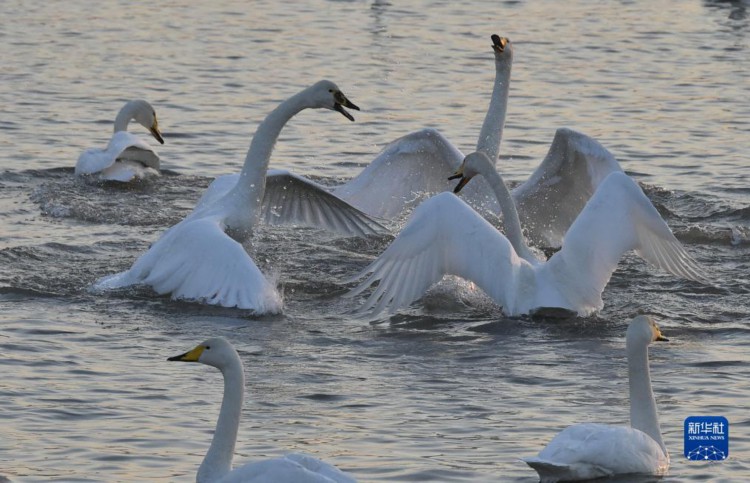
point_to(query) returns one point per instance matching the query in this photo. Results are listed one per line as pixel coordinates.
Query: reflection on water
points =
(449, 390)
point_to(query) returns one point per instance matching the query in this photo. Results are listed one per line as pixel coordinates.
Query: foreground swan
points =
(548, 201)
(217, 465)
(586, 451)
(446, 236)
(202, 258)
(127, 157)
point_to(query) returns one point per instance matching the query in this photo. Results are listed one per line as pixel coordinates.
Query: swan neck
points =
(511, 222)
(492, 127)
(124, 116)
(218, 460)
(252, 182)
(643, 414)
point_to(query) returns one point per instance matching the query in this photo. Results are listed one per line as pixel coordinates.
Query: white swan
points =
(587, 451)
(217, 464)
(548, 201)
(201, 258)
(127, 157)
(446, 236)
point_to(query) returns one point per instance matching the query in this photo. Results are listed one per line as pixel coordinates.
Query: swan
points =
(548, 201)
(446, 236)
(201, 258)
(588, 450)
(217, 464)
(127, 157)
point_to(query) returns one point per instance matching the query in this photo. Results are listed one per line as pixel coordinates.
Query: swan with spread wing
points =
(548, 202)
(202, 257)
(445, 236)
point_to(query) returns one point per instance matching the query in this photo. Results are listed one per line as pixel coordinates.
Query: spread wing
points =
(196, 260)
(292, 199)
(408, 170)
(444, 236)
(553, 196)
(618, 218)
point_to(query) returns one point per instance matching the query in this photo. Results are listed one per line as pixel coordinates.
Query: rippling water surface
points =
(448, 390)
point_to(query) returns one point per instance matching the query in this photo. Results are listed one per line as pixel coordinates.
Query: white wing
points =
(588, 451)
(122, 144)
(196, 260)
(292, 199)
(618, 218)
(405, 172)
(292, 468)
(553, 196)
(443, 236)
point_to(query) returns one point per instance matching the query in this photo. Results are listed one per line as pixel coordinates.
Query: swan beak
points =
(155, 132)
(189, 356)
(341, 103)
(459, 174)
(499, 43)
(661, 338)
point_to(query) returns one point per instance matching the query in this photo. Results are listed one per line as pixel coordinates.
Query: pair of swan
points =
(588, 450)
(202, 258)
(413, 168)
(445, 236)
(127, 157)
(217, 464)
(582, 451)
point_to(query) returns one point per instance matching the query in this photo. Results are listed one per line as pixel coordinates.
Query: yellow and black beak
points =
(189, 356)
(155, 132)
(341, 103)
(459, 174)
(499, 43)
(661, 338)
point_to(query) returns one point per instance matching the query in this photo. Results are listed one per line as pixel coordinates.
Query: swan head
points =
(327, 95)
(502, 47)
(643, 330)
(145, 115)
(217, 352)
(472, 165)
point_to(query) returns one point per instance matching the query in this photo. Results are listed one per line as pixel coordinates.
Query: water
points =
(446, 391)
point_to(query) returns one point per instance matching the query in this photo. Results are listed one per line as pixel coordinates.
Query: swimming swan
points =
(217, 464)
(548, 202)
(202, 258)
(127, 157)
(588, 450)
(446, 236)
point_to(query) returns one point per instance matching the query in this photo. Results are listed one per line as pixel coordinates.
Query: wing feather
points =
(444, 236)
(293, 199)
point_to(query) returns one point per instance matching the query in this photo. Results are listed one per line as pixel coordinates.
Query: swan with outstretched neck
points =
(589, 450)
(127, 157)
(217, 464)
(548, 202)
(202, 257)
(445, 236)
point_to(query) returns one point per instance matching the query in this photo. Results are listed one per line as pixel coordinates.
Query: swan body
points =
(202, 257)
(586, 451)
(217, 464)
(126, 157)
(445, 236)
(548, 201)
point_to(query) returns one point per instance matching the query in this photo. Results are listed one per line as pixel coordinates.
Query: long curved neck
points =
(252, 182)
(492, 127)
(511, 222)
(218, 460)
(124, 116)
(642, 402)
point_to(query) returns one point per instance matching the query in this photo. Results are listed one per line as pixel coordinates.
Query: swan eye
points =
(208, 347)
(330, 90)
